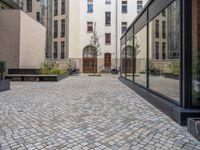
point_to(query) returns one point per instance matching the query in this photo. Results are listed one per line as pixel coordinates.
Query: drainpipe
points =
(116, 55)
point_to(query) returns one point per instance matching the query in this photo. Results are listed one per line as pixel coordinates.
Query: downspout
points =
(116, 55)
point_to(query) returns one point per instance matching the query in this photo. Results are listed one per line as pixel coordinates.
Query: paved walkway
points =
(85, 113)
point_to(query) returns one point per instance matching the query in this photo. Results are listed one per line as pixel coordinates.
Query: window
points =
(124, 7)
(90, 6)
(55, 52)
(139, 6)
(55, 7)
(107, 1)
(55, 29)
(140, 51)
(164, 70)
(107, 18)
(163, 13)
(62, 50)
(124, 27)
(38, 16)
(163, 50)
(195, 52)
(29, 5)
(63, 28)
(157, 50)
(163, 29)
(63, 7)
(157, 29)
(108, 38)
(89, 26)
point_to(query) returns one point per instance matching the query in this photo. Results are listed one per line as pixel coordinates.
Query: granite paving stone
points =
(85, 113)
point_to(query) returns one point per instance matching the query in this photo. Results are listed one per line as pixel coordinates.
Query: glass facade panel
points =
(123, 60)
(196, 52)
(164, 52)
(129, 59)
(140, 52)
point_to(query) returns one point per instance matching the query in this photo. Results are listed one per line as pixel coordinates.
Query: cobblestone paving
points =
(85, 113)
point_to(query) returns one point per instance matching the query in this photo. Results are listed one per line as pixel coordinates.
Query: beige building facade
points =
(22, 40)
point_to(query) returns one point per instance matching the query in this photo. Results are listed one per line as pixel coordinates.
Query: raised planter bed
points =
(36, 77)
(4, 85)
(194, 127)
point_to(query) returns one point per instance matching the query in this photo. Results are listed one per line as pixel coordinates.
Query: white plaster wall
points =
(32, 42)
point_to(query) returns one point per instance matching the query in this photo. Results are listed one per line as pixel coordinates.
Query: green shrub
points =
(2, 68)
(174, 67)
(57, 71)
(51, 68)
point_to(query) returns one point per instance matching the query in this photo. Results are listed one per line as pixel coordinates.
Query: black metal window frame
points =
(148, 13)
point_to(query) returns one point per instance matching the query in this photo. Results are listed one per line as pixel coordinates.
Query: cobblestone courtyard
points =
(85, 113)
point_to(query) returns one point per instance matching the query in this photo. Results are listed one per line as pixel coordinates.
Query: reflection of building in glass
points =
(159, 37)
(173, 31)
(196, 51)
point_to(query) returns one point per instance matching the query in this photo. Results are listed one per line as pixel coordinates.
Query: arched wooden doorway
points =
(107, 61)
(89, 63)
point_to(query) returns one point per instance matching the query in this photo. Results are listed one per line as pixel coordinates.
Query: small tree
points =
(95, 44)
(2, 68)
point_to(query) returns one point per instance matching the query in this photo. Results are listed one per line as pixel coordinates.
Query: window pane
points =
(140, 60)
(108, 18)
(129, 59)
(164, 60)
(123, 61)
(196, 52)
(90, 8)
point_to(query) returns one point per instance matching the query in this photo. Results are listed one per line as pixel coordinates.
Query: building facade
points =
(60, 26)
(19, 34)
(110, 18)
(160, 57)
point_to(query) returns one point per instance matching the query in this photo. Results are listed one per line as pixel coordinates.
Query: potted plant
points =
(4, 84)
(2, 69)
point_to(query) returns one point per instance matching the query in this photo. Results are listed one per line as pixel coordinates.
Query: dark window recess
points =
(107, 18)
(38, 16)
(108, 38)
(157, 29)
(164, 29)
(55, 52)
(63, 28)
(63, 7)
(163, 50)
(29, 5)
(89, 26)
(124, 27)
(55, 7)
(157, 50)
(124, 7)
(55, 29)
(62, 50)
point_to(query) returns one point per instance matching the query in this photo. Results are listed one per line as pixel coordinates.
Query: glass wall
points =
(140, 51)
(123, 60)
(196, 52)
(129, 59)
(164, 52)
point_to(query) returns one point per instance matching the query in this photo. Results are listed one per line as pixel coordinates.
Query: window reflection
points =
(123, 61)
(196, 51)
(164, 52)
(129, 59)
(140, 51)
